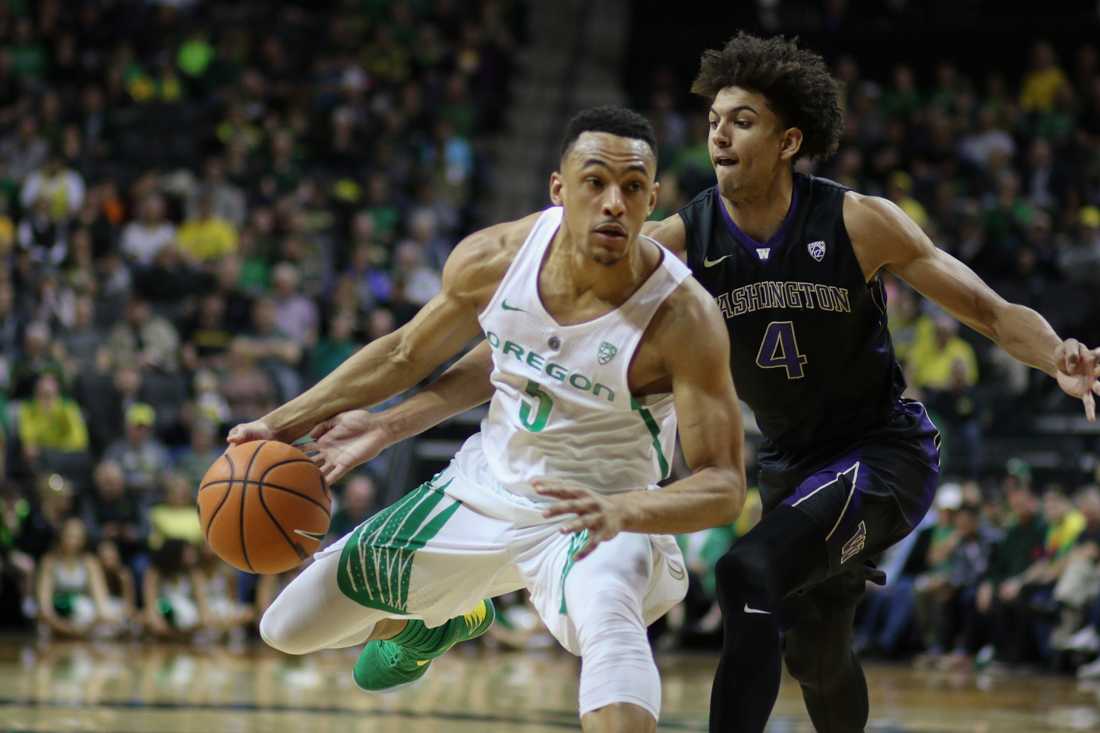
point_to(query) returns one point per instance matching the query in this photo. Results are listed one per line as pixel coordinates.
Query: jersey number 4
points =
(542, 412)
(779, 350)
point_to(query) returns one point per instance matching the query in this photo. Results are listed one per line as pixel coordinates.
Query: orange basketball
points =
(264, 507)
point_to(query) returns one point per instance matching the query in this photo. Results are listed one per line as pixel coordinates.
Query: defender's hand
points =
(595, 512)
(1078, 368)
(347, 440)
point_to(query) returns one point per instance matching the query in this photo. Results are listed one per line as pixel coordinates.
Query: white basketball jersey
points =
(562, 407)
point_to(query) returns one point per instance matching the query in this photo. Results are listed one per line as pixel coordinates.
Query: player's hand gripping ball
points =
(264, 507)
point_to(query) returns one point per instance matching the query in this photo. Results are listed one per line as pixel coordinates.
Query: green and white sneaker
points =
(388, 665)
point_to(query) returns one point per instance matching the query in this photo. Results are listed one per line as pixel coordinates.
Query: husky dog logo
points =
(817, 249)
(607, 352)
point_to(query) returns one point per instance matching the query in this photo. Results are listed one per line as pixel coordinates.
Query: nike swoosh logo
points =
(422, 662)
(507, 307)
(712, 263)
(749, 609)
(316, 536)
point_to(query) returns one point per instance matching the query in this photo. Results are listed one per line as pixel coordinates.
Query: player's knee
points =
(617, 611)
(617, 667)
(742, 574)
(278, 633)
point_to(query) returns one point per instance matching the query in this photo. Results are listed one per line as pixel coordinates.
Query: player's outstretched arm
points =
(394, 363)
(694, 346)
(352, 438)
(884, 237)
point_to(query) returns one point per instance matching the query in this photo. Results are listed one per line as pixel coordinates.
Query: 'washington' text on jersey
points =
(810, 348)
(781, 294)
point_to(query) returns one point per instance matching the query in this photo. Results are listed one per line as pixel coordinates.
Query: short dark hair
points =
(795, 81)
(614, 120)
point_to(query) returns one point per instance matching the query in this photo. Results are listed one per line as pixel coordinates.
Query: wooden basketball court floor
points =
(148, 688)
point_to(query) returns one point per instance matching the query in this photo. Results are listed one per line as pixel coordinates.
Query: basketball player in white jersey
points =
(600, 339)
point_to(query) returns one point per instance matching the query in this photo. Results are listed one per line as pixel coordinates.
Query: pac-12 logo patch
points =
(854, 545)
(607, 352)
(816, 250)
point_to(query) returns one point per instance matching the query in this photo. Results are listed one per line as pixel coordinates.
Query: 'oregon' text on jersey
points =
(540, 363)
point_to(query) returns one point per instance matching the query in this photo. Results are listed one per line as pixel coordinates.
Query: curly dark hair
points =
(795, 81)
(615, 120)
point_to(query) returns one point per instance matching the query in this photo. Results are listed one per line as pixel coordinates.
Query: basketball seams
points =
(244, 492)
(278, 487)
(262, 484)
(298, 549)
(273, 466)
(225, 496)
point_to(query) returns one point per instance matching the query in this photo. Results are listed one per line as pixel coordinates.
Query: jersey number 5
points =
(779, 349)
(542, 412)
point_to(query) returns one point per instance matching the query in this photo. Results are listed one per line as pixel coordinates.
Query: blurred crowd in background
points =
(206, 207)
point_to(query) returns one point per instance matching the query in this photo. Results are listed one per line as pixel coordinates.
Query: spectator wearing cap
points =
(141, 456)
(941, 541)
(955, 615)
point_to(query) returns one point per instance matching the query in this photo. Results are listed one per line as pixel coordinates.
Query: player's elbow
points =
(400, 354)
(730, 495)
